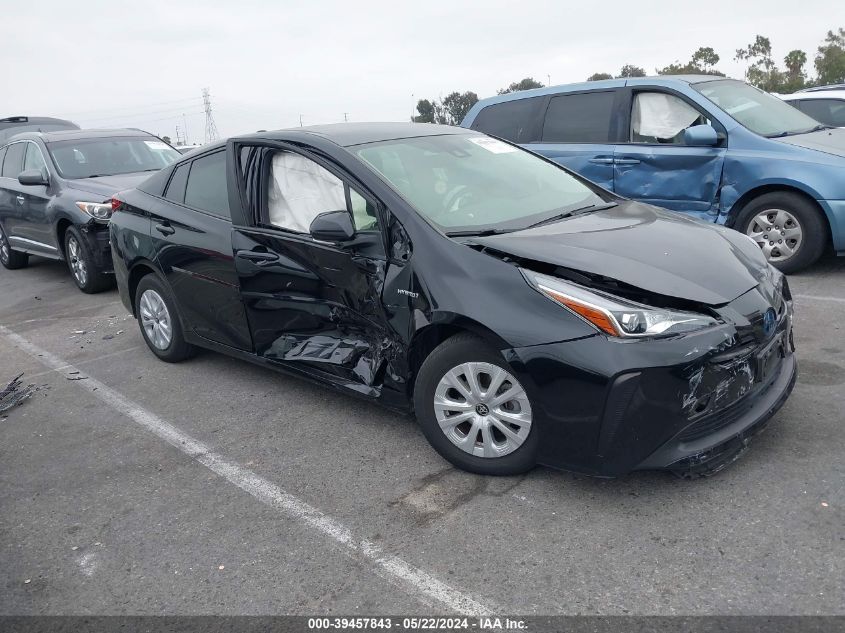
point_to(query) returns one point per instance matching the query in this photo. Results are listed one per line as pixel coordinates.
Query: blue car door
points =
(655, 165)
(578, 133)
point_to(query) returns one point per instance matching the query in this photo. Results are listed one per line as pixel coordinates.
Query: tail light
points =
(115, 205)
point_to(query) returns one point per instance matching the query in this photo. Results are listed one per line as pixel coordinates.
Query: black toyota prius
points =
(522, 313)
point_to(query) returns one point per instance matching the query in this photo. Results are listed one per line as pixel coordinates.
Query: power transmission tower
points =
(210, 128)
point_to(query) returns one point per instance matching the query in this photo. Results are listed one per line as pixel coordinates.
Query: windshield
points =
(476, 183)
(86, 158)
(760, 112)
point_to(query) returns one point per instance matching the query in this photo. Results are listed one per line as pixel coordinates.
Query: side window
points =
(658, 117)
(13, 162)
(579, 118)
(2, 156)
(364, 214)
(515, 120)
(299, 190)
(34, 159)
(827, 111)
(206, 187)
(176, 187)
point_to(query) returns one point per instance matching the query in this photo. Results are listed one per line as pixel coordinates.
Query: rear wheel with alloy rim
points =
(474, 411)
(159, 321)
(788, 228)
(82, 266)
(9, 258)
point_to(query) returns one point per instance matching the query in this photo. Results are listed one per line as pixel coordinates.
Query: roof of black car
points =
(348, 134)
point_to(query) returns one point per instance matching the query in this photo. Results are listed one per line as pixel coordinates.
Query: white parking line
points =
(820, 298)
(418, 583)
(86, 361)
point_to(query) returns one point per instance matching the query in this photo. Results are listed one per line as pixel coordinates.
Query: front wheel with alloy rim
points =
(473, 409)
(9, 258)
(83, 268)
(159, 321)
(789, 228)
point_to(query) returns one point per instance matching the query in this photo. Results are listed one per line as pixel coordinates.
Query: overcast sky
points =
(144, 64)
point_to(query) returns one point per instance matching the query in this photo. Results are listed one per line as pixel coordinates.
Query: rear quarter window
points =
(516, 121)
(206, 188)
(579, 118)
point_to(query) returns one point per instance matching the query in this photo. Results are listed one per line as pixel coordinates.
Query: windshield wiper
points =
(818, 128)
(566, 214)
(477, 233)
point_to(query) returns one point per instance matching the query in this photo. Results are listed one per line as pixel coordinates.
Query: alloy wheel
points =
(482, 409)
(155, 319)
(77, 263)
(777, 232)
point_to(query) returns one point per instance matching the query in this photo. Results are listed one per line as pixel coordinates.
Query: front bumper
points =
(96, 235)
(607, 407)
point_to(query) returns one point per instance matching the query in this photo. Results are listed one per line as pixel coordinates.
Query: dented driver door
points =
(313, 306)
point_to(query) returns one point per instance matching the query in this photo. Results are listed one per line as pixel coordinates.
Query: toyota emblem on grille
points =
(769, 322)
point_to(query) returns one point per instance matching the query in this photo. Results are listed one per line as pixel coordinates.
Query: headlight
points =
(96, 210)
(615, 316)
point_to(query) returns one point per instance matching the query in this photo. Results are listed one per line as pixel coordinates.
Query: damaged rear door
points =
(655, 165)
(311, 304)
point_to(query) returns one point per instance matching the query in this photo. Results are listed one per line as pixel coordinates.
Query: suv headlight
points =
(96, 210)
(615, 316)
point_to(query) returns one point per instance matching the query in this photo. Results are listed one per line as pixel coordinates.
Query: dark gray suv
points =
(55, 195)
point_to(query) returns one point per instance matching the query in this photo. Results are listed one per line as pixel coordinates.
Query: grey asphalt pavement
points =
(305, 501)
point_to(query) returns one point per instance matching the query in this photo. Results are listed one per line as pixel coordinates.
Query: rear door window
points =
(516, 121)
(206, 188)
(827, 111)
(579, 118)
(13, 162)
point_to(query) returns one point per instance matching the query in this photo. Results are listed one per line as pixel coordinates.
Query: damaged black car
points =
(523, 314)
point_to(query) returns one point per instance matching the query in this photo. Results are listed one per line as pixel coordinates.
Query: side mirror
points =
(32, 177)
(333, 226)
(701, 136)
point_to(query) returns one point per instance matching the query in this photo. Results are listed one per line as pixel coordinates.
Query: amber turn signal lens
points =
(593, 315)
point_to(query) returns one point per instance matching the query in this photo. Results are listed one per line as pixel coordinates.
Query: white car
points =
(825, 104)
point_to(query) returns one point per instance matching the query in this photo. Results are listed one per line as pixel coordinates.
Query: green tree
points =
(705, 58)
(762, 70)
(426, 111)
(794, 78)
(457, 104)
(166, 139)
(599, 76)
(629, 70)
(524, 84)
(830, 59)
(702, 62)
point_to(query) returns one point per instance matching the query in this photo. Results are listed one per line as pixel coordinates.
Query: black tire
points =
(809, 217)
(464, 348)
(80, 262)
(178, 349)
(9, 258)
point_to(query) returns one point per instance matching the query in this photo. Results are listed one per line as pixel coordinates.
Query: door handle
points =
(602, 160)
(627, 161)
(258, 258)
(20, 199)
(165, 229)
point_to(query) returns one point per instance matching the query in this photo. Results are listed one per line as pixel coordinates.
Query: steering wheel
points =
(453, 199)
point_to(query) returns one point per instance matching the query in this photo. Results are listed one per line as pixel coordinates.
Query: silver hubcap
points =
(777, 232)
(77, 264)
(482, 409)
(155, 319)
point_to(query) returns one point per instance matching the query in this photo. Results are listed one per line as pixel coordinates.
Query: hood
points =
(107, 186)
(656, 250)
(827, 141)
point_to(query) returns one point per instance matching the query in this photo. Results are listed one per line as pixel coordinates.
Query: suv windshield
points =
(760, 112)
(87, 158)
(475, 183)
